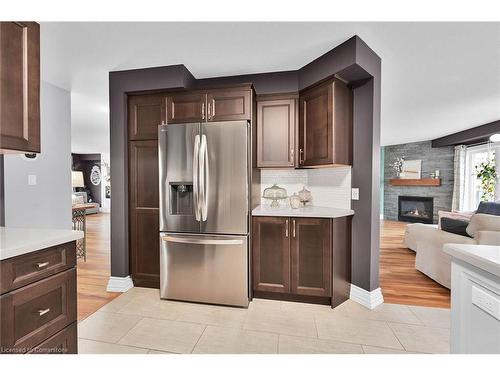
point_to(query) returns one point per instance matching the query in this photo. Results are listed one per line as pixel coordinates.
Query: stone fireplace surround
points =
(432, 158)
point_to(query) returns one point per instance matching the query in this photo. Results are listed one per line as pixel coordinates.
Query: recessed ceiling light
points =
(495, 137)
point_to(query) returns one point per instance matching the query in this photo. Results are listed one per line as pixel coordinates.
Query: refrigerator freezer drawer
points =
(204, 268)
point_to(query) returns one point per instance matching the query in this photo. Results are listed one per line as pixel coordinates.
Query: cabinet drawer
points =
(63, 342)
(25, 269)
(34, 313)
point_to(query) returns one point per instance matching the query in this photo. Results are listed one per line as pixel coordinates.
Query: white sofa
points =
(428, 240)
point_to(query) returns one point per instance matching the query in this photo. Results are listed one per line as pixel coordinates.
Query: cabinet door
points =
(20, 86)
(184, 108)
(144, 213)
(276, 133)
(229, 105)
(145, 113)
(271, 254)
(315, 126)
(325, 125)
(311, 248)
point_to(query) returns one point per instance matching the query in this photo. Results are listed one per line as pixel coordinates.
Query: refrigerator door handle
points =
(204, 177)
(196, 192)
(201, 241)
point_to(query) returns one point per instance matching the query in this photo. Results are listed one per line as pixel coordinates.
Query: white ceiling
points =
(437, 78)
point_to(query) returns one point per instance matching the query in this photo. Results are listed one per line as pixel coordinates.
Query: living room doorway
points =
(91, 212)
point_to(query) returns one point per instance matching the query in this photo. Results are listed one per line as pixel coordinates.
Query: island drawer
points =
(63, 342)
(34, 313)
(22, 270)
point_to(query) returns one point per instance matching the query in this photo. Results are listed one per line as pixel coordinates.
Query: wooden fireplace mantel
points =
(415, 182)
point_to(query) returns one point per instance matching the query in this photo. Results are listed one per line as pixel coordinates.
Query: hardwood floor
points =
(93, 275)
(400, 281)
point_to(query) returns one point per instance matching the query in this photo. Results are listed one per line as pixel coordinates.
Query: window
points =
(475, 156)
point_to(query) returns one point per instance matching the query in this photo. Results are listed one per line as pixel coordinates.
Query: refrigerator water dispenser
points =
(181, 198)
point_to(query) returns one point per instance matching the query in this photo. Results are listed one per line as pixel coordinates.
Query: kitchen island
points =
(475, 298)
(38, 290)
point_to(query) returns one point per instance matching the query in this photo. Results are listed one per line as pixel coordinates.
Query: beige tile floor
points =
(139, 322)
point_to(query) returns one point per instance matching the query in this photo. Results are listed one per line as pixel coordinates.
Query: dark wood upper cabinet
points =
(325, 125)
(19, 87)
(229, 105)
(276, 127)
(144, 213)
(271, 254)
(145, 113)
(215, 105)
(186, 107)
(311, 261)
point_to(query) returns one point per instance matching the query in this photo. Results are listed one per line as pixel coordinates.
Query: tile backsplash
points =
(330, 187)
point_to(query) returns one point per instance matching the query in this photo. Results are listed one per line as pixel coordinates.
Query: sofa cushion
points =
(483, 222)
(490, 208)
(485, 237)
(455, 226)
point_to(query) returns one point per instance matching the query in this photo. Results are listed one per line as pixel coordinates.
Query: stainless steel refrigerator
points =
(204, 212)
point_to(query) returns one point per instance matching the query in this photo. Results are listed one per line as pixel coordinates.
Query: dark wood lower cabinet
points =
(302, 259)
(41, 314)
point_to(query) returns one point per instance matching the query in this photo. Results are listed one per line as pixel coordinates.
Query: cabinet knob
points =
(301, 156)
(286, 228)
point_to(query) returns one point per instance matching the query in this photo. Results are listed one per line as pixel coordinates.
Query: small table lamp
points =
(77, 179)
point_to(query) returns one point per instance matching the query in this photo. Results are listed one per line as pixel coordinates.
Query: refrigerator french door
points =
(204, 212)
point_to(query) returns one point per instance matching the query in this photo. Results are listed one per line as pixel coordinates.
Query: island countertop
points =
(19, 241)
(308, 211)
(485, 257)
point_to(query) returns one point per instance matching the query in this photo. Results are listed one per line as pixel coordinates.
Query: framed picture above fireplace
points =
(416, 209)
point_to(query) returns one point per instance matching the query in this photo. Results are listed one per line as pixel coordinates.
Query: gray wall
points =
(432, 158)
(47, 204)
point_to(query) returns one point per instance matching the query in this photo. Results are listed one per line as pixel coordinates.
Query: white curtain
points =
(458, 201)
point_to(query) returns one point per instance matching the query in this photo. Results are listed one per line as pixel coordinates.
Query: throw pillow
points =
(490, 208)
(454, 226)
(483, 222)
(77, 199)
(457, 215)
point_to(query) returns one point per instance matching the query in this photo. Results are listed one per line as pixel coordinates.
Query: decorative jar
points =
(275, 194)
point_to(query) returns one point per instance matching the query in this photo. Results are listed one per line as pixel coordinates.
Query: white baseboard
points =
(365, 298)
(119, 284)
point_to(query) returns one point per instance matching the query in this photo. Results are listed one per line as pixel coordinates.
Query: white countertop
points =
(484, 257)
(308, 211)
(19, 241)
